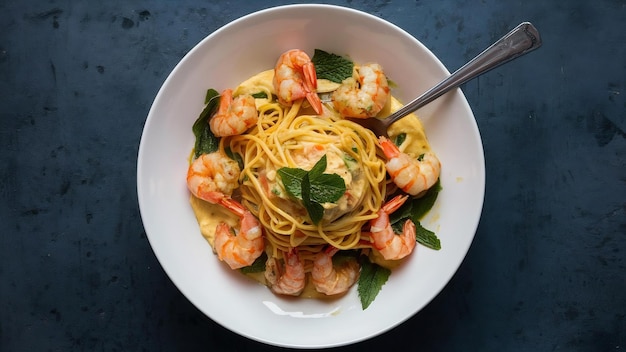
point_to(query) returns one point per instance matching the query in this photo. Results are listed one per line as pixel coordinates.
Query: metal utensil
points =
(521, 40)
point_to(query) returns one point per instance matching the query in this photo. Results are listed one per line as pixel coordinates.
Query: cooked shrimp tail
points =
(234, 206)
(331, 280)
(295, 78)
(234, 115)
(288, 279)
(244, 247)
(394, 203)
(413, 175)
(390, 245)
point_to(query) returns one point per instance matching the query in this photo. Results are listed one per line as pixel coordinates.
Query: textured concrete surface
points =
(546, 270)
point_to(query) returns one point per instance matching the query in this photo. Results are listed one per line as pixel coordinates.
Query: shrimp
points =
(329, 280)
(241, 249)
(295, 78)
(413, 176)
(287, 280)
(364, 97)
(390, 245)
(213, 177)
(235, 115)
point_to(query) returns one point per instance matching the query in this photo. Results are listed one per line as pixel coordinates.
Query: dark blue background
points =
(546, 270)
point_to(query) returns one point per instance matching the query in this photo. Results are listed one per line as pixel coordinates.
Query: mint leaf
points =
(423, 236)
(426, 237)
(327, 188)
(235, 156)
(416, 208)
(206, 141)
(319, 168)
(315, 210)
(313, 187)
(371, 281)
(422, 205)
(210, 94)
(292, 180)
(331, 67)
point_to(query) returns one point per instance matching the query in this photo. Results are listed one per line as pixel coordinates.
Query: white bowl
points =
(224, 59)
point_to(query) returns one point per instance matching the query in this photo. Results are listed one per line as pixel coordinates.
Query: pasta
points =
(281, 137)
(310, 183)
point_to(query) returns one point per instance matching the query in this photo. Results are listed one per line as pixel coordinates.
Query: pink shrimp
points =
(287, 280)
(235, 115)
(390, 245)
(213, 177)
(413, 176)
(241, 249)
(295, 78)
(364, 96)
(330, 280)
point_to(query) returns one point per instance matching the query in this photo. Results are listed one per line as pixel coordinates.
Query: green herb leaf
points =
(371, 280)
(331, 67)
(235, 156)
(319, 168)
(210, 94)
(345, 255)
(313, 187)
(315, 210)
(416, 208)
(292, 180)
(423, 236)
(260, 95)
(206, 141)
(426, 237)
(327, 188)
(399, 139)
(256, 267)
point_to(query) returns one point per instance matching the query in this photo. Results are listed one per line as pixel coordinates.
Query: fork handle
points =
(521, 40)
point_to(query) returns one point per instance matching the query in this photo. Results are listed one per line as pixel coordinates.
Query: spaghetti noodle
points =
(295, 137)
(284, 137)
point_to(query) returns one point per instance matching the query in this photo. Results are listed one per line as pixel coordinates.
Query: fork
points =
(521, 40)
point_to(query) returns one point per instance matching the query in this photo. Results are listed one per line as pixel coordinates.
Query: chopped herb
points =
(399, 139)
(331, 67)
(349, 161)
(260, 95)
(206, 141)
(371, 280)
